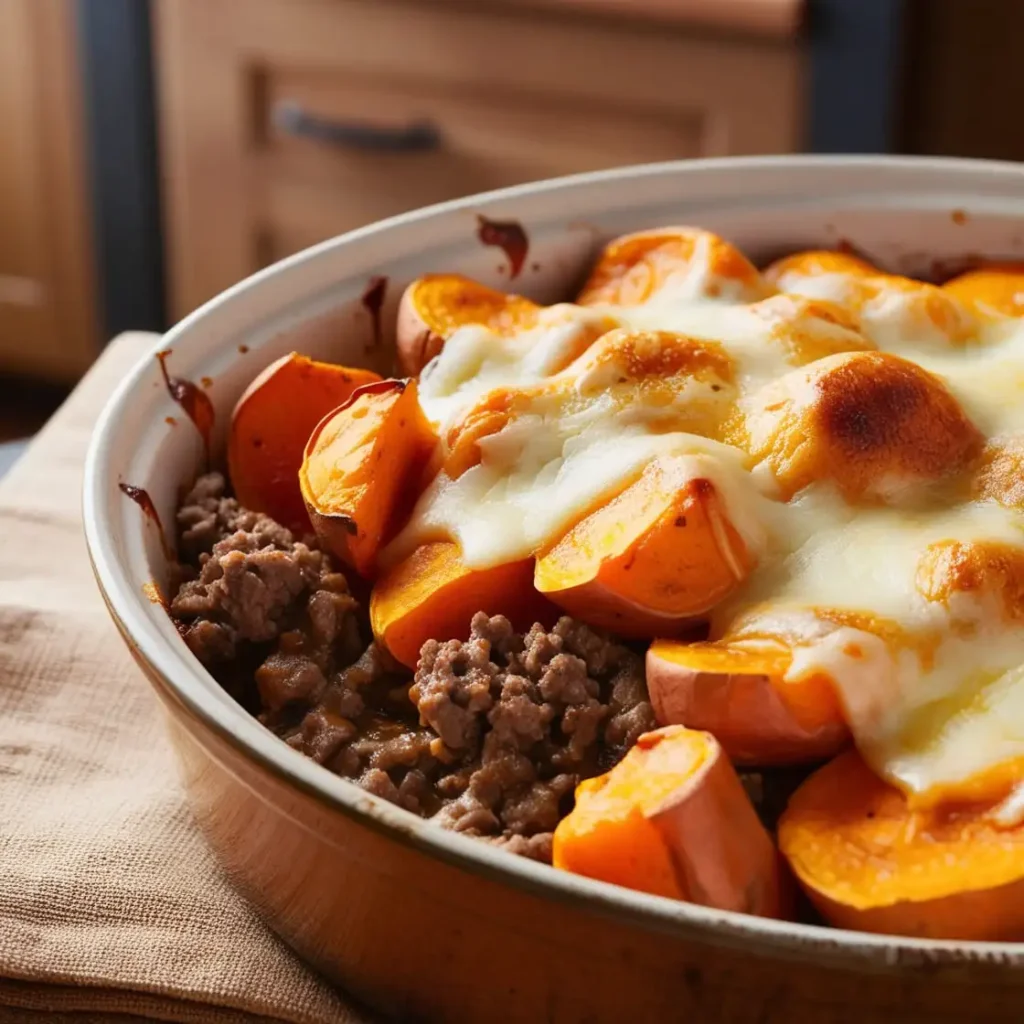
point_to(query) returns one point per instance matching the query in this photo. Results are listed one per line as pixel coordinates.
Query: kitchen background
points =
(153, 152)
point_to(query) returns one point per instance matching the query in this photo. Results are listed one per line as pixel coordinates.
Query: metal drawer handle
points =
(415, 137)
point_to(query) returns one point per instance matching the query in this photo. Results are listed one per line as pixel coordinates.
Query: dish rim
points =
(184, 681)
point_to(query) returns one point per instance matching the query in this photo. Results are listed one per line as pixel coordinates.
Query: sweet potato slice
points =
(888, 307)
(435, 305)
(874, 424)
(739, 694)
(654, 557)
(871, 863)
(673, 819)
(362, 465)
(432, 595)
(788, 273)
(270, 426)
(995, 291)
(634, 268)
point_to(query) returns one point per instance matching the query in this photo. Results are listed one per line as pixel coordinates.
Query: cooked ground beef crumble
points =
(491, 736)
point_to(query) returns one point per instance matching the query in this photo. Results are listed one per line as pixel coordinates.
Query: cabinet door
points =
(288, 121)
(47, 319)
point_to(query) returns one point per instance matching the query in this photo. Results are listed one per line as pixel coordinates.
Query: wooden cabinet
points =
(961, 79)
(47, 316)
(285, 122)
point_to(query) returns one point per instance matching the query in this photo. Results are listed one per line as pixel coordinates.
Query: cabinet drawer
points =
(288, 121)
(339, 150)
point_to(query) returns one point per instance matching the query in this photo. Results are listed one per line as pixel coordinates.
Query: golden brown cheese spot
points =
(985, 570)
(1000, 476)
(871, 422)
(785, 272)
(632, 269)
(641, 369)
(643, 355)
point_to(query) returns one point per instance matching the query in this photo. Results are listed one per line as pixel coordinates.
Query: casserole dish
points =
(428, 925)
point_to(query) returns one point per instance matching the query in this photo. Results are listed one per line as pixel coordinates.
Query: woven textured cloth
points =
(111, 906)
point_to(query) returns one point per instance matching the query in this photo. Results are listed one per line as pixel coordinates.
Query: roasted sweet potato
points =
(435, 305)
(788, 273)
(995, 291)
(651, 559)
(739, 694)
(432, 595)
(270, 426)
(870, 862)
(634, 268)
(362, 466)
(874, 424)
(673, 819)
(888, 307)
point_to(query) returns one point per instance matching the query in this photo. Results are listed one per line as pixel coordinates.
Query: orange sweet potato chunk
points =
(996, 291)
(672, 819)
(634, 268)
(786, 272)
(433, 595)
(739, 694)
(880, 301)
(871, 863)
(271, 424)
(362, 465)
(659, 554)
(435, 305)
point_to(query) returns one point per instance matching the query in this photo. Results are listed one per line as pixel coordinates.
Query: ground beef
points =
(522, 719)
(254, 600)
(208, 515)
(490, 738)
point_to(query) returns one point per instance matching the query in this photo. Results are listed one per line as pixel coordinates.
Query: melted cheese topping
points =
(933, 690)
(477, 359)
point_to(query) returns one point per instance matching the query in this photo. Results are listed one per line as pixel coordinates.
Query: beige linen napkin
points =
(111, 906)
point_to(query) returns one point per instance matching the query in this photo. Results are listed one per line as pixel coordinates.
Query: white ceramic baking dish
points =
(427, 924)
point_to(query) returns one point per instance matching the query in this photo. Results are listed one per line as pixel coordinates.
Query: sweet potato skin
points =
(649, 561)
(363, 464)
(672, 819)
(870, 863)
(432, 595)
(271, 424)
(738, 694)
